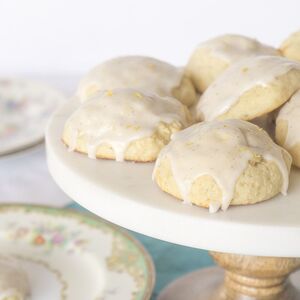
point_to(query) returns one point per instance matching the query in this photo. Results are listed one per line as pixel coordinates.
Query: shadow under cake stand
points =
(258, 246)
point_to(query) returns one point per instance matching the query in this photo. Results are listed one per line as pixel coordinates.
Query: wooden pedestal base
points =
(257, 278)
(241, 278)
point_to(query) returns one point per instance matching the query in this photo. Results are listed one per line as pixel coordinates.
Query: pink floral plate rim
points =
(25, 107)
(83, 218)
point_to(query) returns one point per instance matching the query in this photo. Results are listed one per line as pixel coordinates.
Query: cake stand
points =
(257, 245)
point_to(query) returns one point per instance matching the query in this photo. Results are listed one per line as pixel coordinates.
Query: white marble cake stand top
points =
(124, 194)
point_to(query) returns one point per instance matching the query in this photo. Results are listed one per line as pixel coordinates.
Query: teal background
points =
(171, 261)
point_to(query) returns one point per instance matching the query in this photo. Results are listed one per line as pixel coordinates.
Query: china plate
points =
(25, 107)
(72, 256)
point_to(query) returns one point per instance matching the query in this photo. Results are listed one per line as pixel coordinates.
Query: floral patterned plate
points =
(25, 107)
(72, 256)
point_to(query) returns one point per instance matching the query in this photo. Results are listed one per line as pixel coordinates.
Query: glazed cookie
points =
(290, 48)
(214, 56)
(14, 284)
(124, 124)
(288, 127)
(221, 163)
(139, 72)
(250, 88)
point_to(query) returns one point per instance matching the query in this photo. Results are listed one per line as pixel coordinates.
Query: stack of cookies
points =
(224, 130)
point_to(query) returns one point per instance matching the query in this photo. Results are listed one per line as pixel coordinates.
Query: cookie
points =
(220, 163)
(288, 127)
(290, 48)
(138, 72)
(124, 124)
(250, 88)
(211, 58)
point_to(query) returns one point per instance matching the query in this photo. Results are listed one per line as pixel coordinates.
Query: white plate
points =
(71, 256)
(25, 107)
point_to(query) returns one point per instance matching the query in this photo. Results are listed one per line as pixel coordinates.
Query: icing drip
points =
(232, 47)
(92, 150)
(73, 141)
(13, 280)
(214, 206)
(118, 117)
(225, 91)
(222, 150)
(143, 73)
(290, 113)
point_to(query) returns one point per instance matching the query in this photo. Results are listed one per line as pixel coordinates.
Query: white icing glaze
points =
(290, 113)
(233, 47)
(220, 149)
(118, 117)
(139, 72)
(225, 91)
(13, 279)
